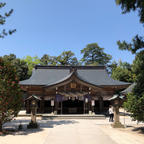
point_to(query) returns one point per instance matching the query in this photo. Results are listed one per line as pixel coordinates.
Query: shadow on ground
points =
(139, 130)
(12, 127)
(124, 114)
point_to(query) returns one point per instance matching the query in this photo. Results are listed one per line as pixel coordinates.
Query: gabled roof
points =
(50, 75)
(33, 97)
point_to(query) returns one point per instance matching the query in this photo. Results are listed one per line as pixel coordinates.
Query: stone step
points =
(98, 116)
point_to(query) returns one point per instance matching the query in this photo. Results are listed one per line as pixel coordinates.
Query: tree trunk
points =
(0, 127)
(1, 121)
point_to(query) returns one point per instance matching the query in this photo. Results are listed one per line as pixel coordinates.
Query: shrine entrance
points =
(73, 106)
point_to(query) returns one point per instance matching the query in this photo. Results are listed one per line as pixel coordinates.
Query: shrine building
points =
(71, 89)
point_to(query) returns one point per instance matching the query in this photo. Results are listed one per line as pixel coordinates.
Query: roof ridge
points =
(69, 67)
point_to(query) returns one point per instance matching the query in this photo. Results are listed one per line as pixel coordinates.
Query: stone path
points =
(78, 132)
(70, 131)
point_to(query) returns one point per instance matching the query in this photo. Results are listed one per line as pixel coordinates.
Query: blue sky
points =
(52, 26)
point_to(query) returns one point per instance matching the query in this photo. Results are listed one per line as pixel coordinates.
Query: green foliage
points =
(3, 18)
(136, 44)
(138, 41)
(132, 5)
(10, 92)
(122, 71)
(138, 69)
(94, 55)
(67, 58)
(31, 62)
(21, 66)
(135, 106)
(135, 100)
(48, 60)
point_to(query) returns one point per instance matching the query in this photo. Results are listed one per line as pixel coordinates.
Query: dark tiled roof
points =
(50, 75)
(98, 77)
(46, 76)
(129, 89)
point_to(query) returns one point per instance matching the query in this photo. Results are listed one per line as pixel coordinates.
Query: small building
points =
(71, 89)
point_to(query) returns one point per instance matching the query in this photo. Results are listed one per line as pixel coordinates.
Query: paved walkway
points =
(70, 132)
(78, 132)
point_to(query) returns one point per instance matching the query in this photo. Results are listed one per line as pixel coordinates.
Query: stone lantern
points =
(117, 101)
(33, 110)
(34, 100)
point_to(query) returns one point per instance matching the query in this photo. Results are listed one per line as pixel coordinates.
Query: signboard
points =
(73, 85)
(52, 102)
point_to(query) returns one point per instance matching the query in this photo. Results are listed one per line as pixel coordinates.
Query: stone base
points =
(90, 112)
(117, 125)
(32, 125)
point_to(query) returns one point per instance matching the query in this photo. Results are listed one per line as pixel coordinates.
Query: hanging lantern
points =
(93, 103)
(86, 100)
(52, 102)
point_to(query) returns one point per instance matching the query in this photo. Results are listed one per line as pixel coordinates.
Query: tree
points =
(122, 72)
(3, 18)
(138, 41)
(94, 55)
(31, 62)
(135, 100)
(136, 44)
(10, 92)
(48, 60)
(132, 5)
(67, 58)
(21, 66)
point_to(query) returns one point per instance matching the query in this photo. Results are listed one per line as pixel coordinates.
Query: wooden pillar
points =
(56, 107)
(61, 108)
(83, 106)
(101, 105)
(89, 106)
(42, 106)
(42, 103)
